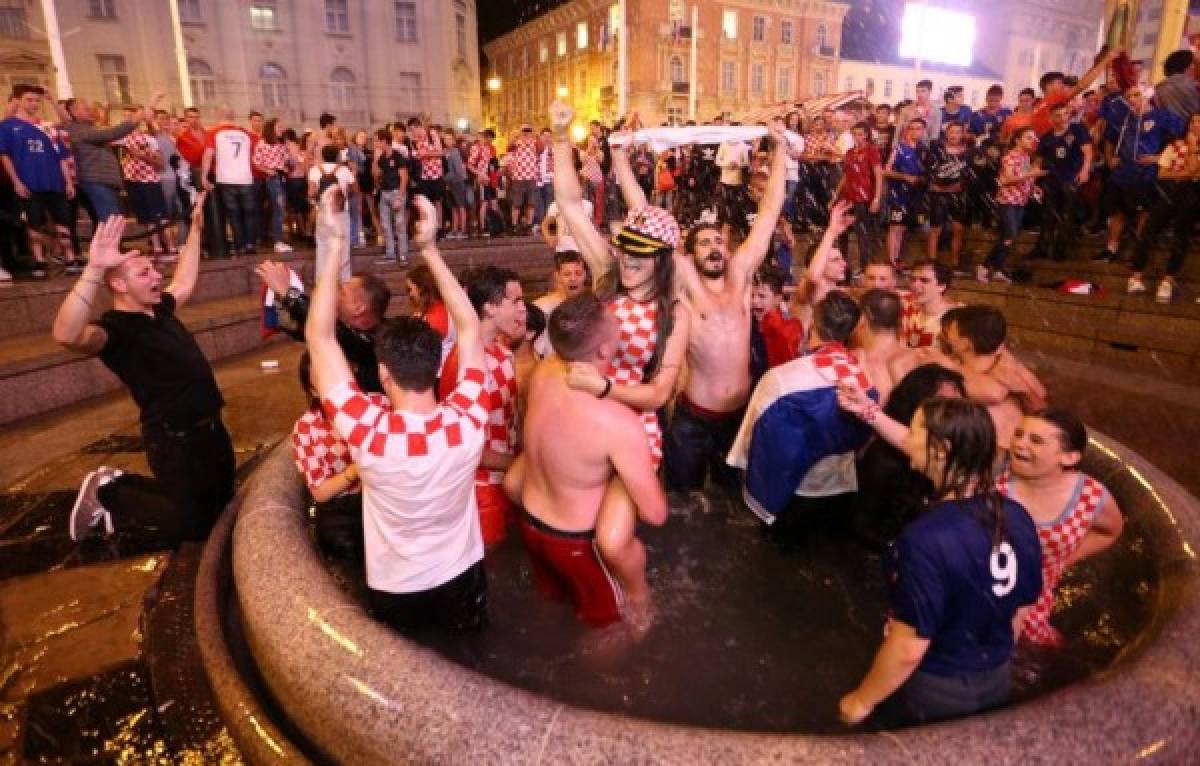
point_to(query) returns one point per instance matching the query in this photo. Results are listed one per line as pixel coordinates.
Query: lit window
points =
(783, 83)
(675, 11)
(676, 68)
(728, 76)
(581, 35)
(274, 89)
(560, 44)
(729, 25)
(543, 52)
(204, 81)
(674, 115)
(264, 16)
(785, 32)
(756, 79)
(337, 16)
(115, 78)
(758, 32)
(887, 88)
(406, 21)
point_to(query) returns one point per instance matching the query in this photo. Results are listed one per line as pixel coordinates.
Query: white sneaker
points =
(1000, 277)
(1135, 285)
(1166, 289)
(6, 279)
(88, 513)
(283, 247)
(981, 274)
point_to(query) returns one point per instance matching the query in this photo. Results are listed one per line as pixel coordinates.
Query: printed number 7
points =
(237, 148)
(1004, 569)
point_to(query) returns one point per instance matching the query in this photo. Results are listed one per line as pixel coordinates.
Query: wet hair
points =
(1048, 79)
(1027, 92)
(882, 309)
(289, 136)
(379, 295)
(326, 120)
(21, 89)
(414, 122)
(1178, 62)
(952, 124)
(835, 316)
(770, 277)
(427, 288)
(689, 241)
(965, 431)
(996, 90)
(383, 134)
(563, 257)
(942, 273)
(928, 84)
(663, 296)
(984, 326)
(485, 285)
(411, 351)
(254, 113)
(573, 326)
(1072, 434)
(329, 153)
(535, 319)
(1019, 134)
(919, 384)
(270, 133)
(305, 373)
(877, 261)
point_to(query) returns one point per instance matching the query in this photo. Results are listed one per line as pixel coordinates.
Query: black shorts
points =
(459, 605)
(908, 212)
(43, 205)
(1130, 200)
(297, 195)
(434, 189)
(487, 193)
(947, 207)
(147, 200)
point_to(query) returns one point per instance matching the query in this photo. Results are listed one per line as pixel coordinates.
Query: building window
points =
(758, 31)
(1149, 38)
(907, 89)
(408, 84)
(524, 60)
(581, 35)
(1026, 58)
(869, 87)
(115, 78)
(337, 17)
(849, 82)
(887, 88)
(102, 9)
(14, 25)
(783, 83)
(675, 11)
(543, 52)
(728, 76)
(756, 79)
(406, 21)
(785, 32)
(264, 15)
(460, 34)
(204, 81)
(974, 96)
(729, 25)
(274, 87)
(818, 84)
(189, 12)
(674, 115)
(560, 44)
(341, 88)
(822, 35)
(675, 68)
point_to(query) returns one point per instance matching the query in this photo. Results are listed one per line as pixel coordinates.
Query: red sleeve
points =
(210, 139)
(438, 319)
(449, 377)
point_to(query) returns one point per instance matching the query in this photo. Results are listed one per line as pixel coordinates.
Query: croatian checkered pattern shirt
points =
(1060, 539)
(320, 453)
(917, 329)
(133, 169)
(420, 518)
(431, 167)
(478, 160)
(835, 363)
(271, 157)
(522, 160)
(638, 324)
(501, 390)
(1016, 162)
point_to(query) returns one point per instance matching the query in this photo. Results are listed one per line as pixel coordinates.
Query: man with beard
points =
(718, 296)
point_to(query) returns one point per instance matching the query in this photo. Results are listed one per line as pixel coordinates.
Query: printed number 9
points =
(1004, 570)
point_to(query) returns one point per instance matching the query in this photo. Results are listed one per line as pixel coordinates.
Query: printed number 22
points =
(1004, 570)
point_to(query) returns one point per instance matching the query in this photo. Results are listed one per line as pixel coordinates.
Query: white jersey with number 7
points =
(233, 151)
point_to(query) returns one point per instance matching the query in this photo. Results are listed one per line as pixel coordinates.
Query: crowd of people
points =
(680, 346)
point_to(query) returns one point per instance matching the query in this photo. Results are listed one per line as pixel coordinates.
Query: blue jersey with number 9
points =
(953, 586)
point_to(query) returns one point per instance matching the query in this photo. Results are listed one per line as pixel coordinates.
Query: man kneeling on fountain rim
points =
(574, 445)
(416, 458)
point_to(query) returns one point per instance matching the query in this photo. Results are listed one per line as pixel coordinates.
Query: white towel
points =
(660, 139)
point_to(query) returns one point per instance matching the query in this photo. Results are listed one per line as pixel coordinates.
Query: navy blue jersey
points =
(962, 115)
(950, 585)
(35, 156)
(1063, 155)
(985, 126)
(911, 161)
(1140, 136)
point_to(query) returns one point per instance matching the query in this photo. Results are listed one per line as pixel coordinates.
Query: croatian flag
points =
(270, 315)
(794, 438)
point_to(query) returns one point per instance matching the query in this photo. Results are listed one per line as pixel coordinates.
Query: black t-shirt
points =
(389, 171)
(945, 167)
(1063, 155)
(158, 359)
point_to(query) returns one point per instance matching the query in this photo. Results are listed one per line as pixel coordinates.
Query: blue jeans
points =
(392, 221)
(1011, 217)
(241, 209)
(545, 195)
(355, 208)
(103, 198)
(278, 199)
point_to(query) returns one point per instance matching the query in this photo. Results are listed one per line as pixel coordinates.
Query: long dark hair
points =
(965, 430)
(422, 277)
(1072, 434)
(609, 285)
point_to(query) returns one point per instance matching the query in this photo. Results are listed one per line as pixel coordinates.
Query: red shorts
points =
(567, 563)
(494, 511)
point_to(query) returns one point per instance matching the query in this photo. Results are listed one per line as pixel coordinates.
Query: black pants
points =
(1059, 229)
(193, 481)
(926, 697)
(695, 445)
(214, 221)
(458, 605)
(1176, 205)
(241, 207)
(338, 525)
(864, 232)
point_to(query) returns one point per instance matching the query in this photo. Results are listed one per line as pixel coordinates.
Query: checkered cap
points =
(647, 232)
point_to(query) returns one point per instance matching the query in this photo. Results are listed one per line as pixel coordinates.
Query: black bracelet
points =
(607, 388)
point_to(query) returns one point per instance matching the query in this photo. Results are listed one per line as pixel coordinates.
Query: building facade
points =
(749, 53)
(368, 61)
(891, 82)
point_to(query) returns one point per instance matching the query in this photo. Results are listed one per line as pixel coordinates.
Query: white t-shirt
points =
(420, 519)
(232, 148)
(344, 175)
(565, 240)
(731, 158)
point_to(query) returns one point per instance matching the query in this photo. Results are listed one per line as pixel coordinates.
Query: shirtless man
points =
(570, 279)
(718, 287)
(878, 348)
(922, 320)
(563, 475)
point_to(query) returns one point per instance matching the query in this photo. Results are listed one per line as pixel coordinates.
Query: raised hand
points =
(198, 211)
(841, 217)
(104, 253)
(425, 229)
(275, 275)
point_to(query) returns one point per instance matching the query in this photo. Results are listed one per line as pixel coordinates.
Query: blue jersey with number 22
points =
(954, 587)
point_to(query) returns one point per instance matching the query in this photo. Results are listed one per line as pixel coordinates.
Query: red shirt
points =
(190, 146)
(781, 337)
(858, 179)
(1038, 119)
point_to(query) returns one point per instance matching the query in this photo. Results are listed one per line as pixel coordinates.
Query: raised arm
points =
(840, 219)
(753, 250)
(569, 196)
(854, 400)
(329, 366)
(183, 281)
(72, 328)
(458, 305)
(631, 190)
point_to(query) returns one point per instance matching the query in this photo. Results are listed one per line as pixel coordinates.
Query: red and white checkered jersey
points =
(479, 160)
(420, 519)
(1060, 539)
(918, 329)
(271, 157)
(1015, 163)
(638, 324)
(523, 160)
(132, 168)
(431, 167)
(501, 429)
(233, 149)
(837, 365)
(320, 453)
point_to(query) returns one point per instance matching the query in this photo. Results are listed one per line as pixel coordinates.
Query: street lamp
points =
(493, 83)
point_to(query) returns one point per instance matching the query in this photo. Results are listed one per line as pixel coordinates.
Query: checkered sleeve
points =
(361, 422)
(306, 451)
(469, 400)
